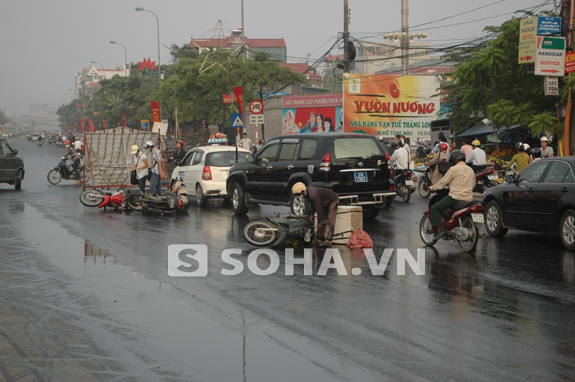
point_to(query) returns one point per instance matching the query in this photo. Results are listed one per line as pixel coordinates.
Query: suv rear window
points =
(356, 148)
(224, 158)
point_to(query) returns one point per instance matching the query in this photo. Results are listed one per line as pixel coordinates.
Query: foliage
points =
(489, 83)
(3, 118)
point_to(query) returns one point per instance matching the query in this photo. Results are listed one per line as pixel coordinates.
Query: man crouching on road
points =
(323, 201)
(461, 180)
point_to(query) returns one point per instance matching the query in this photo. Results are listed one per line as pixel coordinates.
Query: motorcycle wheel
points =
(260, 233)
(91, 198)
(54, 177)
(405, 191)
(423, 188)
(426, 231)
(134, 202)
(471, 241)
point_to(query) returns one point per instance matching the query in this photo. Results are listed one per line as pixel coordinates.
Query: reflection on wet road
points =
(85, 295)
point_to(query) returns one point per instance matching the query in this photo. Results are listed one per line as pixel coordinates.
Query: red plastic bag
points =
(360, 239)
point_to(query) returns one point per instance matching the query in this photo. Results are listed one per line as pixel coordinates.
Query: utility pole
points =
(345, 36)
(404, 37)
(243, 78)
(569, 107)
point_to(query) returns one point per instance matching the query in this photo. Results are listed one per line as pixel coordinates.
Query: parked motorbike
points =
(459, 222)
(484, 179)
(122, 198)
(167, 203)
(424, 184)
(403, 183)
(39, 143)
(278, 229)
(64, 171)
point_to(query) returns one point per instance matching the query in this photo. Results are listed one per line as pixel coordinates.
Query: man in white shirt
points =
(477, 160)
(78, 145)
(406, 146)
(400, 156)
(246, 143)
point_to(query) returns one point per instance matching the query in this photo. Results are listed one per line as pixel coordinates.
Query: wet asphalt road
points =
(85, 295)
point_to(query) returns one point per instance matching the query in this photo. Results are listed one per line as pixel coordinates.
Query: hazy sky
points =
(45, 42)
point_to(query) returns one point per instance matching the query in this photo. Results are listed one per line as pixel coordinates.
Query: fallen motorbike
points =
(459, 222)
(123, 198)
(425, 183)
(278, 229)
(484, 179)
(168, 203)
(403, 183)
(63, 171)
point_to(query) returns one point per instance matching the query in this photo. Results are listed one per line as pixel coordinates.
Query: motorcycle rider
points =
(477, 159)
(74, 157)
(521, 158)
(546, 151)
(443, 147)
(180, 153)
(461, 180)
(536, 154)
(400, 156)
(323, 201)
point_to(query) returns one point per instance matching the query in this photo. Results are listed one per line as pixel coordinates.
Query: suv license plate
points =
(491, 177)
(409, 183)
(360, 177)
(477, 218)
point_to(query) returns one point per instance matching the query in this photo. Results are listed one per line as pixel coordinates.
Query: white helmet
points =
(148, 144)
(544, 139)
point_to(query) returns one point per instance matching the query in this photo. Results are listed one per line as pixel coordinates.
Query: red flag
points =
(155, 111)
(239, 93)
(91, 124)
(66, 130)
(76, 126)
(82, 124)
(124, 119)
(104, 124)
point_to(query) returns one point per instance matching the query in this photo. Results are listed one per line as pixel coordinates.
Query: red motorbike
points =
(483, 180)
(459, 222)
(123, 198)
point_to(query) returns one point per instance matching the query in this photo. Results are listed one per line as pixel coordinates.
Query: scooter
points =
(168, 203)
(278, 229)
(425, 183)
(122, 198)
(403, 183)
(39, 143)
(483, 180)
(459, 222)
(63, 171)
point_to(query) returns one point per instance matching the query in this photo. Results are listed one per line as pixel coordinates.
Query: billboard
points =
(312, 113)
(386, 105)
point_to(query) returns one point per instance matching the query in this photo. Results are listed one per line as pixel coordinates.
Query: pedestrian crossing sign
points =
(237, 122)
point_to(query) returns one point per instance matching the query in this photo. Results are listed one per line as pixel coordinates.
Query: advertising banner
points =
(239, 93)
(313, 113)
(155, 112)
(83, 126)
(386, 105)
(91, 125)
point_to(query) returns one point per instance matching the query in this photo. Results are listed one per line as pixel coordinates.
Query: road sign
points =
(570, 62)
(257, 119)
(550, 56)
(237, 122)
(256, 106)
(551, 86)
(548, 25)
(527, 40)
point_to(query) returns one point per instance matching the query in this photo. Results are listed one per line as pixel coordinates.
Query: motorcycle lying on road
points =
(459, 222)
(122, 198)
(168, 203)
(278, 229)
(403, 183)
(64, 171)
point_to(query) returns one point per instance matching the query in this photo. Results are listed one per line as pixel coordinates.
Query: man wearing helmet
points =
(477, 159)
(442, 155)
(179, 154)
(461, 179)
(400, 156)
(157, 169)
(74, 157)
(323, 201)
(546, 151)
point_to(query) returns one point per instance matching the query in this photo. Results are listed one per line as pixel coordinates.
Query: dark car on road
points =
(353, 165)
(541, 198)
(11, 167)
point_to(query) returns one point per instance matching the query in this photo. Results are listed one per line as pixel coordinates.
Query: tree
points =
(3, 118)
(489, 82)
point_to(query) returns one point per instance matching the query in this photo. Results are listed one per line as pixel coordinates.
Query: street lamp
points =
(139, 9)
(125, 56)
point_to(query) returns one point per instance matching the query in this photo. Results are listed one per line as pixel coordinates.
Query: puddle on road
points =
(15, 205)
(92, 251)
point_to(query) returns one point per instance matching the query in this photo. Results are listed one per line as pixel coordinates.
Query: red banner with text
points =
(155, 111)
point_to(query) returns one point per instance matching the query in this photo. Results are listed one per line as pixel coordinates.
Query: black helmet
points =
(456, 156)
(536, 152)
(519, 146)
(400, 142)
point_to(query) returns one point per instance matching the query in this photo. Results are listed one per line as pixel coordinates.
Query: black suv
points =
(353, 165)
(11, 167)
